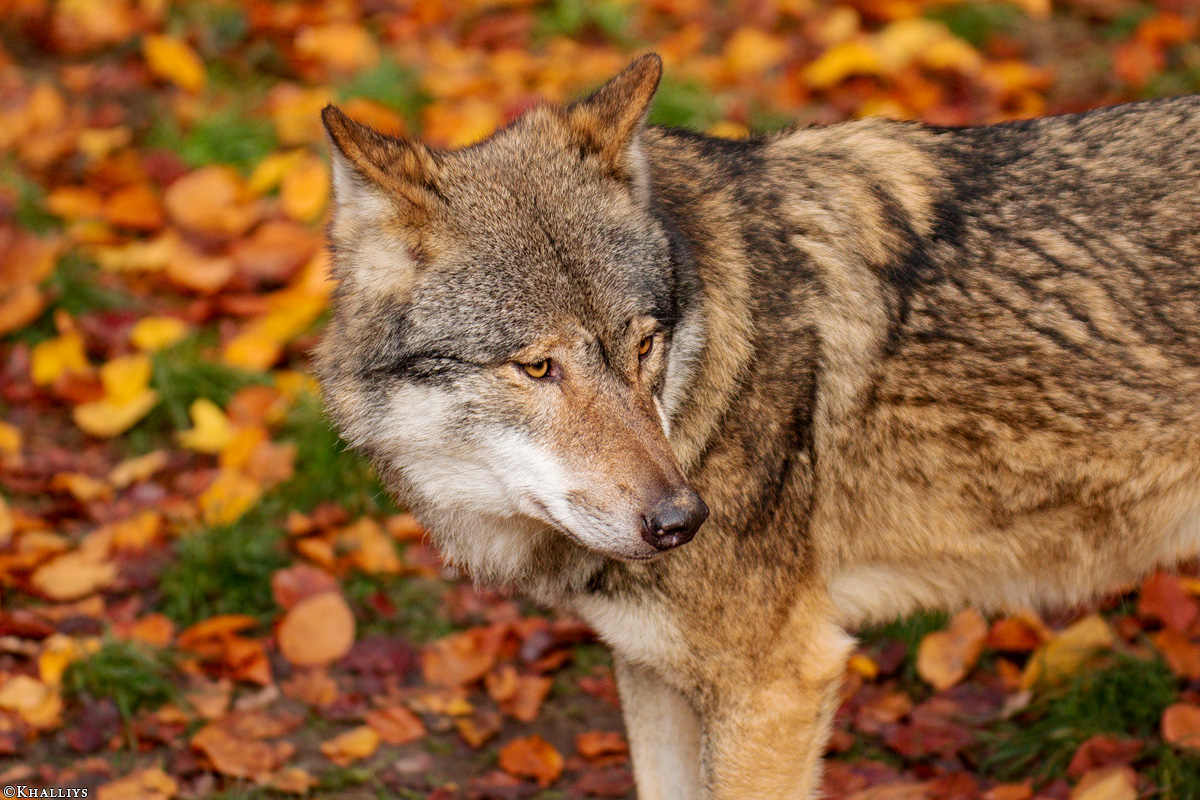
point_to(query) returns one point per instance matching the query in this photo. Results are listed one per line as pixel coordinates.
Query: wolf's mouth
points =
(548, 517)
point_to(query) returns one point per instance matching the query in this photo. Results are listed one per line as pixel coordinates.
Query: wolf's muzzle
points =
(674, 519)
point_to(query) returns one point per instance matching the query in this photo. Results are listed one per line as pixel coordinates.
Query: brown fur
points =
(931, 368)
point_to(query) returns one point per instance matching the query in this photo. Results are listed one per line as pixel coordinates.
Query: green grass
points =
(30, 213)
(326, 469)
(576, 19)
(391, 84)
(1125, 698)
(78, 287)
(132, 677)
(188, 370)
(418, 603)
(228, 135)
(225, 570)
(978, 21)
(684, 104)
(1126, 22)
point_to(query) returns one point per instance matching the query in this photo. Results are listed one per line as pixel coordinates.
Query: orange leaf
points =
(396, 725)
(136, 207)
(353, 745)
(945, 657)
(1181, 653)
(532, 757)
(458, 660)
(1181, 725)
(305, 189)
(72, 576)
(1113, 783)
(213, 202)
(1163, 598)
(238, 757)
(317, 630)
(143, 784)
(526, 701)
(597, 744)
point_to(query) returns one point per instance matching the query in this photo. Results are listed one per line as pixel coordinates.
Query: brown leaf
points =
(300, 582)
(945, 657)
(479, 728)
(317, 630)
(213, 203)
(396, 725)
(532, 757)
(1181, 653)
(1100, 752)
(526, 701)
(237, 757)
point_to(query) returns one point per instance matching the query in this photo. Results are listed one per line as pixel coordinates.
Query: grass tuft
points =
(133, 677)
(977, 22)
(225, 136)
(391, 84)
(1125, 698)
(327, 470)
(684, 104)
(186, 371)
(225, 570)
(576, 19)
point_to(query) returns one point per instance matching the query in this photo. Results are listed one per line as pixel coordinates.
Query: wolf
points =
(729, 400)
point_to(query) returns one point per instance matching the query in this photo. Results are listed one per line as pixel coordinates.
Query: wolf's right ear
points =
(609, 121)
(369, 167)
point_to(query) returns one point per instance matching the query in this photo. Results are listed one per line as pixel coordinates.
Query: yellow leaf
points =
(106, 418)
(953, 54)
(1111, 783)
(83, 488)
(58, 652)
(729, 130)
(58, 356)
(864, 666)
(126, 378)
(211, 431)
(854, 57)
(10, 439)
(751, 51)
(305, 189)
(353, 745)
(252, 350)
(903, 40)
(230, 495)
(270, 171)
(296, 114)
(7, 523)
(72, 576)
(155, 333)
(36, 703)
(171, 59)
(138, 468)
(1070, 649)
(945, 657)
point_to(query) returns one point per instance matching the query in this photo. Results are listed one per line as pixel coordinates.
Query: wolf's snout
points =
(674, 519)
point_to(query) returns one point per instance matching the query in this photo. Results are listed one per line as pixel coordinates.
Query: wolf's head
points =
(513, 329)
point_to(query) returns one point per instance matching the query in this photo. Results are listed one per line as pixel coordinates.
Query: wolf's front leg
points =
(766, 733)
(664, 735)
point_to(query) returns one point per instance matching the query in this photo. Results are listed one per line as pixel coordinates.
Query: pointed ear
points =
(610, 120)
(367, 166)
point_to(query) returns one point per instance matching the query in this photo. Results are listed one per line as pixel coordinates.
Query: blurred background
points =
(203, 594)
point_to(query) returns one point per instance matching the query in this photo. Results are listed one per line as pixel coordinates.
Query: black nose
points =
(674, 519)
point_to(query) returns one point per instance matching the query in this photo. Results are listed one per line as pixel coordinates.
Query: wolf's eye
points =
(645, 346)
(538, 369)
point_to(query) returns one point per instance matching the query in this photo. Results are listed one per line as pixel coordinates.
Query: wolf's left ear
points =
(609, 122)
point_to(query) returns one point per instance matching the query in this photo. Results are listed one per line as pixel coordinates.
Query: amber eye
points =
(645, 346)
(538, 369)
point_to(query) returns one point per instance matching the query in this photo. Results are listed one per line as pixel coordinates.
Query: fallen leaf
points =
(317, 630)
(599, 744)
(1070, 649)
(945, 657)
(459, 659)
(305, 189)
(479, 728)
(143, 784)
(532, 757)
(72, 576)
(1180, 652)
(396, 725)
(156, 332)
(211, 431)
(293, 780)
(59, 356)
(1119, 783)
(171, 59)
(353, 745)
(1181, 725)
(526, 701)
(37, 703)
(1163, 598)
(213, 202)
(239, 757)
